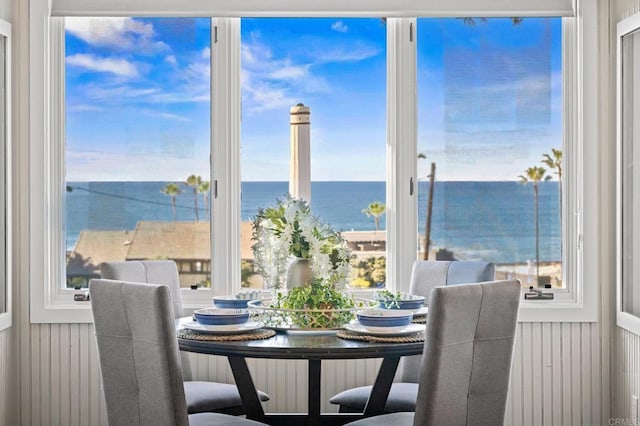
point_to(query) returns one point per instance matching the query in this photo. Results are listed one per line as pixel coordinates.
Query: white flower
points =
(289, 229)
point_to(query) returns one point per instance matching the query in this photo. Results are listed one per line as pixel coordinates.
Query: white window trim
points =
(50, 303)
(224, 163)
(5, 317)
(624, 319)
(402, 151)
(294, 8)
(581, 265)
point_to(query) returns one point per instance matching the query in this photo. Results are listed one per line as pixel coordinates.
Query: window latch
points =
(534, 294)
(81, 297)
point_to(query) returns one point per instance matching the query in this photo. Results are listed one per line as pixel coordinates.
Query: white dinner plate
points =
(421, 311)
(393, 331)
(223, 329)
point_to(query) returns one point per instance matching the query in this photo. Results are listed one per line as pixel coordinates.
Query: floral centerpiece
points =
(289, 230)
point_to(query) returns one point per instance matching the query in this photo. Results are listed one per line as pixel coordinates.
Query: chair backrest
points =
(159, 272)
(138, 353)
(428, 274)
(466, 363)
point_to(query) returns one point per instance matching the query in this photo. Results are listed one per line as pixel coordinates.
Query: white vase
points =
(299, 273)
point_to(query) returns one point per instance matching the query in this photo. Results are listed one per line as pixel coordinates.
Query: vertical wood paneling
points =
(625, 373)
(554, 380)
(556, 361)
(5, 382)
(56, 375)
(45, 379)
(547, 376)
(63, 346)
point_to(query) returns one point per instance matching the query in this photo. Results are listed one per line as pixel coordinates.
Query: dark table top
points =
(302, 345)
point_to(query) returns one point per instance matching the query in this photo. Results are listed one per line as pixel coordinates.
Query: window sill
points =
(530, 311)
(5, 321)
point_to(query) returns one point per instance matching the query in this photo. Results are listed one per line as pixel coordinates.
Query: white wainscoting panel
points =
(5, 377)
(625, 374)
(555, 377)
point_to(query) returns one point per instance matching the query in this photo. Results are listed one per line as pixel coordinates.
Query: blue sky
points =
(138, 97)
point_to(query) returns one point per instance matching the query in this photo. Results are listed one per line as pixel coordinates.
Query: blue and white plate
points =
(231, 302)
(217, 316)
(384, 318)
(409, 302)
(223, 329)
(356, 327)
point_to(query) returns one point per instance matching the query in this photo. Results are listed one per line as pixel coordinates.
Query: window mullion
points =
(402, 227)
(225, 149)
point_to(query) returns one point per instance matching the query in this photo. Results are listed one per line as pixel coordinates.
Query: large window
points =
(365, 110)
(335, 68)
(490, 131)
(137, 144)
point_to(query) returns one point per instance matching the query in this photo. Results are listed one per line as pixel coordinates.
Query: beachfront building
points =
(216, 103)
(186, 243)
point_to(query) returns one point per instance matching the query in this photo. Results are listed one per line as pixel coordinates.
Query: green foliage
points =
(290, 229)
(389, 299)
(369, 272)
(276, 215)
(375, 210)
(317, 306)
(534, 174)
(246, 271)
(554, 161)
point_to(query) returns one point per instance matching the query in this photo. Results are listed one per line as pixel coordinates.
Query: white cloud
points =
(272, 81)
(117, 33)
(119, 92)
(120, 67)
(171, 59)
(340, 27)
(290, 72)
(347, 53)
(166, 115)
(83, 108)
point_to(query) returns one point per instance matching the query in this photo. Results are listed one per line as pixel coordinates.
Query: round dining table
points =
(313, 347)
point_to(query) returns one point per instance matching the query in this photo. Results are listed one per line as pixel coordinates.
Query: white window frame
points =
(624, 319)
(51, 303)
(5, 317)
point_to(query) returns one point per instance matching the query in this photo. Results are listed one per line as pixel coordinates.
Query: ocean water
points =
(491, 221)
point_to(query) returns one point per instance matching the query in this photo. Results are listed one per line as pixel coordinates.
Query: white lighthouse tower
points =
(300, 165)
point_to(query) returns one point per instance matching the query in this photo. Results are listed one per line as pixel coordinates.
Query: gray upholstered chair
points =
(139, 357)
(201, 396)
(425, 276)
(466, 363)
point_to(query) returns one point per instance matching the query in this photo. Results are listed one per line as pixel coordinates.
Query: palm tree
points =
(535, 175)
(427, 227)
(172, 190)
(375, 209)
(204, 189)
(194, 182)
